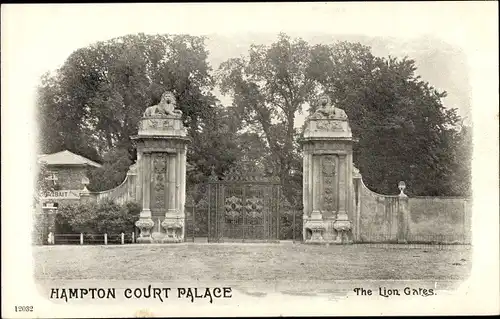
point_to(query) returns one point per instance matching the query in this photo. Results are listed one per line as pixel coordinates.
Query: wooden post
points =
(81, 238)
(105, 239)
(123, 238)
(133, 237)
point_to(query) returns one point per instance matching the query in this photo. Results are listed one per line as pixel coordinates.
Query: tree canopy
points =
(404, 131)
(269, 88)
(92, 105)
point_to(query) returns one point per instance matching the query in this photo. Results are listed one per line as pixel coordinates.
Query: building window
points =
(52, 176)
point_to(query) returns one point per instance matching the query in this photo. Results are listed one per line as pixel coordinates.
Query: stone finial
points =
(402, 186)
(132, 170)
(213, 176)
(326, 110)
(166, 107)
(355, 172)
(85, 182)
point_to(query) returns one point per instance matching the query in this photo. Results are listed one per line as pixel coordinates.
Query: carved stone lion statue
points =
(327, 110)
(165, 107)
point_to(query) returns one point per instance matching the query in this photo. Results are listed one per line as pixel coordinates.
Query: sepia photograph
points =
(263, 159)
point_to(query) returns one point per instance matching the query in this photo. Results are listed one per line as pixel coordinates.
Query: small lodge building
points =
(68, 173)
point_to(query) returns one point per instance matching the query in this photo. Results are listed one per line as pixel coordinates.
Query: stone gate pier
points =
(327, 176)
(161, 168)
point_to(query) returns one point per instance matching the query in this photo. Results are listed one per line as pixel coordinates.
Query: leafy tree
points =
(114, 169)
(92, 104)
(458, 177)
(253, 150)
(217, 144)
(269, 88)
(405, 131)
(43, 185)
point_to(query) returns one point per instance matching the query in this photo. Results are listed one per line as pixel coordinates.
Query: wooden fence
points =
(91, 239)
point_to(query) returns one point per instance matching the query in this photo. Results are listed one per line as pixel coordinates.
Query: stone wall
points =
(127, 191)
(378, 216)
(375, 216)
(435, 217)
(431, 219)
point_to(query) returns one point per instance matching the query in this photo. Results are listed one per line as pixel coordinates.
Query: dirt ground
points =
(247, 262)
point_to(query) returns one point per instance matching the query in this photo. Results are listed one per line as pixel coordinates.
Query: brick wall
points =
(44, 223)
(69, 177)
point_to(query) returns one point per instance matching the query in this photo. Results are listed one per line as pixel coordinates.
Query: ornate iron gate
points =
(244, 207)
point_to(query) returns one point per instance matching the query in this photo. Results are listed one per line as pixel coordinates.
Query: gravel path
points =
(248, 262)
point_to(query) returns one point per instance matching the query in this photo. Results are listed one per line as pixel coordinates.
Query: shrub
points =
(106, 217)
(77, 218)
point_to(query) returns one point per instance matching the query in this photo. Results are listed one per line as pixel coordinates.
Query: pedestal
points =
(174, 229)
(316, 226)
(161, 152)
(145, 224)
(343, 227)
(327, 176)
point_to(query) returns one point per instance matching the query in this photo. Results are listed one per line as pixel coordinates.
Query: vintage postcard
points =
(262, 159)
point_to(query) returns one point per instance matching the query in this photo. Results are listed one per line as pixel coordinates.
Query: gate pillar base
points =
(317, 227)
(174, 228)
(145, 225)
(343, 226)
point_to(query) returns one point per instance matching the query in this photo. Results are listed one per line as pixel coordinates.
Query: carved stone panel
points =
(160, 144)
(329, 181)
(159, 181)
(158, 124)
(330, 125)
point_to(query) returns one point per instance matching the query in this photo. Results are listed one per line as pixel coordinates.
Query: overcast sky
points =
(437, 35)
(451, 42)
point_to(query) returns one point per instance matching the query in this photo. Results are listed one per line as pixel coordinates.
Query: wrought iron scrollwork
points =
(245, 174)
(254, 207)
(233, 208)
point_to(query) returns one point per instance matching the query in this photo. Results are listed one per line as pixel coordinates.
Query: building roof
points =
(66, 158)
